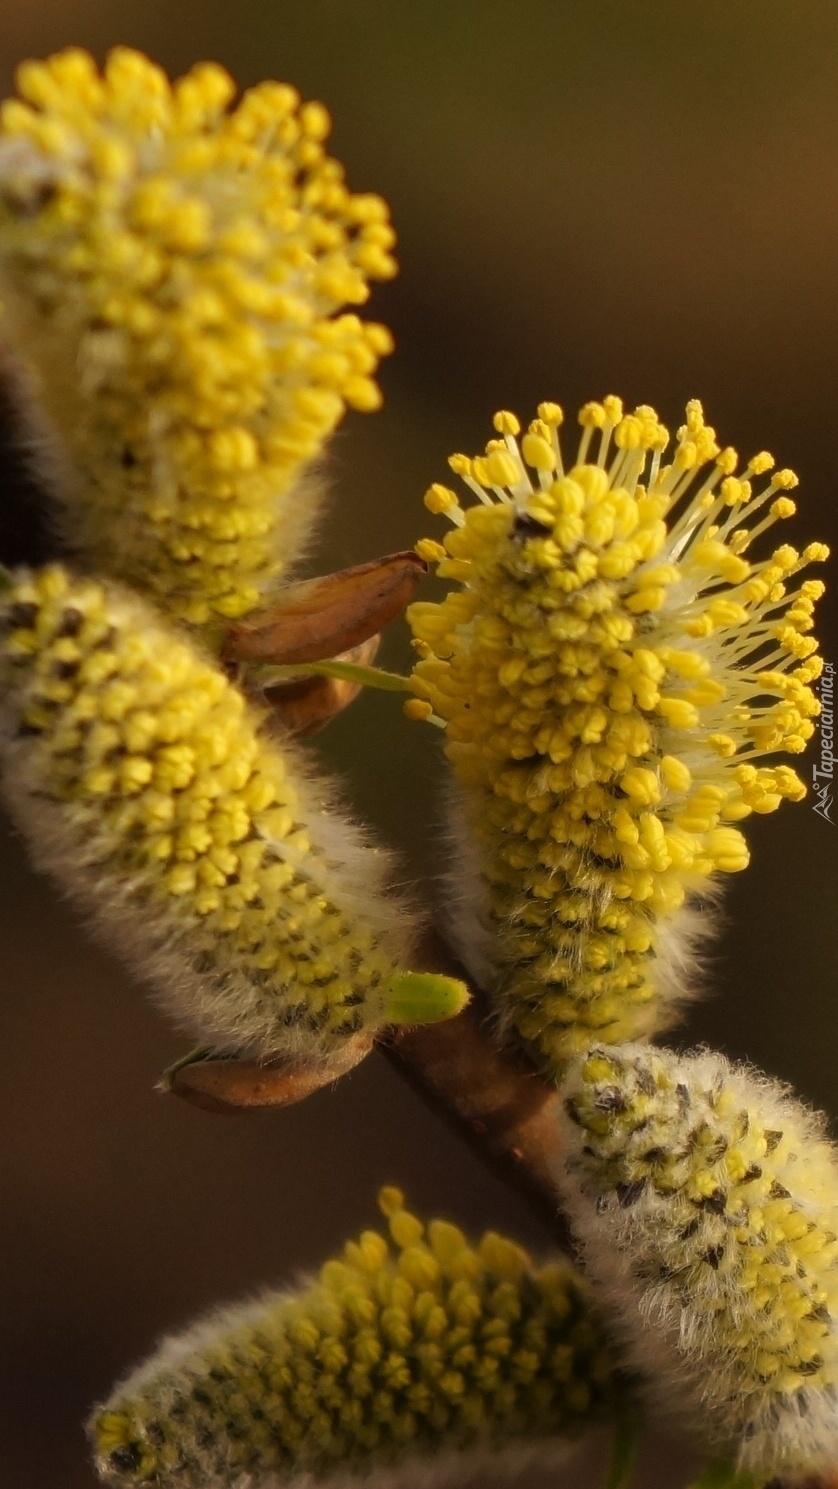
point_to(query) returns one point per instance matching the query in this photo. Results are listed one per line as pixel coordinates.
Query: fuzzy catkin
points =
(173, 268)
(611, 668)
(420, 1343)
(147, 785)
(706, 1201)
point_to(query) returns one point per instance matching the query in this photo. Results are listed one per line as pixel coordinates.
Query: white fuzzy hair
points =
(552, 1463)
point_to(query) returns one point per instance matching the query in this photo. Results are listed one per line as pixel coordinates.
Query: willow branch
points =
(493, 1099)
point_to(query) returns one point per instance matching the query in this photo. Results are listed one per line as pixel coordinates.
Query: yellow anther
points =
(733, 491)
(728, 849)
(461, 465)
(723, 744)
(417, 709)
(431, 551)
(551, 414)
(480, 471)
(592, 416)
(783, 507)
(506, 423)
(501, 469)
(675, 773)
(629, 434)
(686, 455)
(812, 589)
(538, 452)
(362, 394)
(760, 463)
(678, 713)
(440, 499)
(641, 784)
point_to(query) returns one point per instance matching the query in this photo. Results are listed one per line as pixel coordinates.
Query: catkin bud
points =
(414, 1344)
(706, 1201)
(202, 850)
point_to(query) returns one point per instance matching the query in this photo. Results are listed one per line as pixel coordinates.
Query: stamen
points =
(463, 467)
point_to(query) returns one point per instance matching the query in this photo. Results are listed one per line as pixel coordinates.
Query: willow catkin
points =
(414, 1344)
(706, 1201)
(614, 670)
(175, 271)
(201, 847)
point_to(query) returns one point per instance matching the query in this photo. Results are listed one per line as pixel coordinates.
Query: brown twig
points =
(493, 1098)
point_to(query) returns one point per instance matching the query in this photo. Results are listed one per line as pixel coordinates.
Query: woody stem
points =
(495, 1099)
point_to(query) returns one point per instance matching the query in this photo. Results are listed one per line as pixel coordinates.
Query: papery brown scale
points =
(321, 618)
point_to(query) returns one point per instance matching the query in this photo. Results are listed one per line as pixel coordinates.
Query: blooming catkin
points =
(415, 1344)
(706, 1201)
(171, 270)
(145, 783)
(610, 671)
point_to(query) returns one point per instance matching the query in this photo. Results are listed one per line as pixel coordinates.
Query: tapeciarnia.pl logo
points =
(822, 772)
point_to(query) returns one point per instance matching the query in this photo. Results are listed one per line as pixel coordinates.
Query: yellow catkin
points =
(408, 1344)
(148, 786)
(611, 668)
(706, 1199)
(173, 269)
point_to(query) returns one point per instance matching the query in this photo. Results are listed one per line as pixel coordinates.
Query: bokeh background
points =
(636, 197)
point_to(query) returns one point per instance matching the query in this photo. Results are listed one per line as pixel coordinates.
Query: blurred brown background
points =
(630, 197)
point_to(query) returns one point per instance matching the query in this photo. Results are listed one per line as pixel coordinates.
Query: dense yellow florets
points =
(610, 672)
(707, 1202)
(147, 785)
(403, 1346)
(172, 269)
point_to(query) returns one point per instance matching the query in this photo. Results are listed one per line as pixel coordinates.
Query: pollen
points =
(616, 664)
(181, 274)
(203, 849)
(410, 1342)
